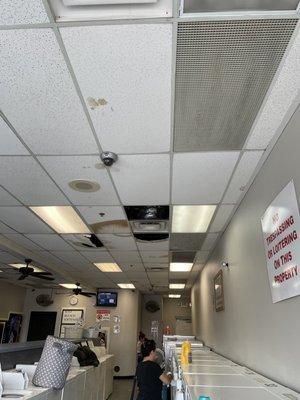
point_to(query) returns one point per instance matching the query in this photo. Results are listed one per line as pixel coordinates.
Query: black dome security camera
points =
(108, 158)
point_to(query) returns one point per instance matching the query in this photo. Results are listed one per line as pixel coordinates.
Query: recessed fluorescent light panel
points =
(69, 286)
(174, 296)
(108, 267)
(18, 266)
(126, 286)
(177, 285)
(189, 219)
(63, 219)
(181, 267)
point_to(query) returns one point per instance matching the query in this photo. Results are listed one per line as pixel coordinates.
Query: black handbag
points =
(86, 356)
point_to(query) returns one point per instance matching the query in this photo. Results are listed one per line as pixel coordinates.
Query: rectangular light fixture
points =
(69, 286)
(180, 267)
(19, 265)
(192, 219)
(63, 219)
(126, 286)
(174, 296)
(176, 285)
(108, 267)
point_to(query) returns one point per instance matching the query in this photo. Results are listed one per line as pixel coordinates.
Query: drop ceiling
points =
(192, 104)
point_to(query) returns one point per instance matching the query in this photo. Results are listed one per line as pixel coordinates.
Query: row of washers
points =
(219, 378)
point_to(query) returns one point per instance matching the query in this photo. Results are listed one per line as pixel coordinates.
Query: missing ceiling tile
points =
(183, 256)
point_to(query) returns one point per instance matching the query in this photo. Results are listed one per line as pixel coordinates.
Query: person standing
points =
(150, 376)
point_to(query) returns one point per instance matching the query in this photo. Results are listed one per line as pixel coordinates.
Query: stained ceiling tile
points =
(49, 241)
(201, 178)
(22, 220)
(118, 241)
(129, 102)
(66, 169)
(209, 241)
(155, 256)
(22, 241)
(74, 258)
(24, 178)
(7, 200)
(186, 241)
(10, 144)
(242, 175)
(156, 266)
(22, 12)
(179, 275)
(126, 256)
(38, 96)
(105, 219)
(142, 179)
(221, 217)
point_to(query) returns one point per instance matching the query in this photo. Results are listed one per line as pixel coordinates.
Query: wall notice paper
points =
(281, 228)
(103, 315)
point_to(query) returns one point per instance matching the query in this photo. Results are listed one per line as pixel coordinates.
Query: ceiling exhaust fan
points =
(30, 272)
(78, 291)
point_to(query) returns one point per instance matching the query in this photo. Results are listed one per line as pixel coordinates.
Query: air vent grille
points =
(223, 71)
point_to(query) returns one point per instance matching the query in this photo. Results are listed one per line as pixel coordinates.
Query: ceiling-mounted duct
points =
(198, 6)
(223, 72)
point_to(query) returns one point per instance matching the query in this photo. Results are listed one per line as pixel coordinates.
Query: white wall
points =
(252, 330)
(123, 346)
(172, 308)
(148, 317)
(11, 299)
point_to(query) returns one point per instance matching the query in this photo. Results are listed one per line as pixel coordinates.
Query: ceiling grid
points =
(174, 97)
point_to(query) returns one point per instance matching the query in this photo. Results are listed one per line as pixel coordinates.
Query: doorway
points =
(41, 324)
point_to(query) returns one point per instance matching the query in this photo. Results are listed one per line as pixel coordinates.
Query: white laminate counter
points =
(83, 383)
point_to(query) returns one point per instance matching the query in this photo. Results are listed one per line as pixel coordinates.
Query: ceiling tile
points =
(140, 275)
(186, 241)
(113, 220)
(156, 245)
(201, 257)
(179, 275)
(155, 256)
(132, 267)
(134, 114)
(8, 258)
(97, 256)
(22, 220)
(6, 199)
(5, 229)
(66, 169)
(183, 256)
(281, 100)
(22, 241)
(10, 144)
(79, 241)
(118, 241)
(22, 12)
(142, 179)
(156, 265)
(118, 277)
(201, 178)
(126, 257)
(242, 175)
(20, 175)
(221, 217)
(74, 258)
(49, 241)
(38, 96)
(209, 241)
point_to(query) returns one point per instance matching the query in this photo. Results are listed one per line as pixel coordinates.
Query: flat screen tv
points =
(107, 299)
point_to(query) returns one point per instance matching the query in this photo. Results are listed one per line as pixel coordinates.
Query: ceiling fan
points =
(78, 291)
(30, 272)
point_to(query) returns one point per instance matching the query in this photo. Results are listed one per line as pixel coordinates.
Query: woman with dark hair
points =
(149, 374)
(142, 338)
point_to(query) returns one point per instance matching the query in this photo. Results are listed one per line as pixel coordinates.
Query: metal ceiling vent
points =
(223, 72)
